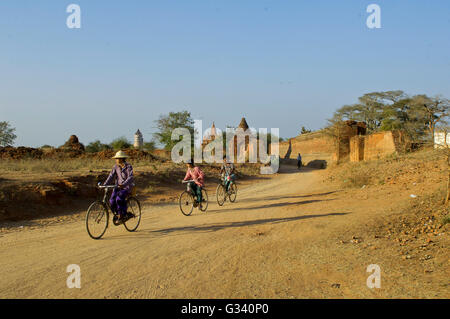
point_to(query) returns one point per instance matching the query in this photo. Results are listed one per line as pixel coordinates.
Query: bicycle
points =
(222, 193)
(188, 200)
(97, 218)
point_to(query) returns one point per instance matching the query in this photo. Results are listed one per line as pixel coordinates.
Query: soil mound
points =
(20, 153)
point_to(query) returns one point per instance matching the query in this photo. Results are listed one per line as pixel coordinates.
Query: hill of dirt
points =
(416, 232)
(20, 153)
(26, 196)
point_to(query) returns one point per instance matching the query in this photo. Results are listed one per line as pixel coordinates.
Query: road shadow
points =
(220, 226)
(257, 199)
(284, 204)
(292, 169)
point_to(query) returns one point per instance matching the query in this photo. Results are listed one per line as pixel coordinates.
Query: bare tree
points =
(7, 135)
(435, 110)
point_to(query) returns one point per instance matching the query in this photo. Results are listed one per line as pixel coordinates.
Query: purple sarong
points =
(118, 201)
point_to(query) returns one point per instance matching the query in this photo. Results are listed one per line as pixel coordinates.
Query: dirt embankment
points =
(415, 233)
(21, 153)
(31, 196)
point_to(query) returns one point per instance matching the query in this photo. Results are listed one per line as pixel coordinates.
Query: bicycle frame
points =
(105, 197)
(188, 186)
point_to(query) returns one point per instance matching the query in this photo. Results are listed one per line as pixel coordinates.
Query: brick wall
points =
(312, 146)
(318, 146)
(375, 146)
(379, 145)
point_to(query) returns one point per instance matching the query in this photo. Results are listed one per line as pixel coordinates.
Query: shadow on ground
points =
(284, 204)
(220, 226)
(258, 199)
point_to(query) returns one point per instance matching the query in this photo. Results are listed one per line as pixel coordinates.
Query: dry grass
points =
(164, 170)
(54, 165)
(379, 172)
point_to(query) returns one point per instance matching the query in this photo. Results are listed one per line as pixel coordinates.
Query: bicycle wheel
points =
(97, 220)
(134, 208)
(186, 203)
(204, 204)
(220, 195)
(232, 193)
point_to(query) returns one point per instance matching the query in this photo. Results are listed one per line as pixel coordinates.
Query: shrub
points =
(120, 143)
(97, 146)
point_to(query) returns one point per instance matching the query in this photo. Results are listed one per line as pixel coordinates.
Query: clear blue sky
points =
(278, 63)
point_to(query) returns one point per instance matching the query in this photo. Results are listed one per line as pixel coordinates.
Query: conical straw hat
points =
(120, 154)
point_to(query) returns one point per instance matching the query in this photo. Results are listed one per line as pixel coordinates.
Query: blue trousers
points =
(118, 201)
(197, 191)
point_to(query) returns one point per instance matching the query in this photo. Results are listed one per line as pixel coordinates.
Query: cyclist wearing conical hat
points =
(122, 173)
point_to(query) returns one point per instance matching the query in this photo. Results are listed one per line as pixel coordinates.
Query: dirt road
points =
(279, 240)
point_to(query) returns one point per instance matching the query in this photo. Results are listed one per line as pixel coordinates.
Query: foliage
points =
(416, 115)
(149, 146)
(120, 143)
(7, 135)
(167, 123)
(97, 146)
(305, 130)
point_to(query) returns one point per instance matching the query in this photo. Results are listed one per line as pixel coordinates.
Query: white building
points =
(441, 140)
(138, 140)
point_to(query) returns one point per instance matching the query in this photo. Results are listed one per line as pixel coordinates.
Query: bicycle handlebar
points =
(106, 186)
(189, 181)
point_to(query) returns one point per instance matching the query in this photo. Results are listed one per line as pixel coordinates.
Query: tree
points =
(120, 143)
(305, 130)
(7, 135)
(97, 146)
(435, 110)
(167, 123)
(149, 146)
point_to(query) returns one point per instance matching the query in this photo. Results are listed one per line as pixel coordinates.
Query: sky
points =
(281, 64)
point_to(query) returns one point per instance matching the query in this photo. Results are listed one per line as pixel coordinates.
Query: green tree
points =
(305, 130)
(97, 146)
(149, 146)
(120, 143)
(434, 110)
(167, 123)
(417, 116)
(7, 135)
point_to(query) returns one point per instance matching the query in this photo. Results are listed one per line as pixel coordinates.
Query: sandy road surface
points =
(277, 241)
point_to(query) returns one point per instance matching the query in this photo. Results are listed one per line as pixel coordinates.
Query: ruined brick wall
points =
(357, 144)
(354, 148)
(380, 144)
(312, 146)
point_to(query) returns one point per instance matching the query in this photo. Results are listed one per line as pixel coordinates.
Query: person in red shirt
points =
(195, 174)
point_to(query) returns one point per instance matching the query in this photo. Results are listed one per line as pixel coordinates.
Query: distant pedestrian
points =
(299, 161)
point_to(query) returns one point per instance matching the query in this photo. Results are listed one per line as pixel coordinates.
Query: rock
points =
(336, 286)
